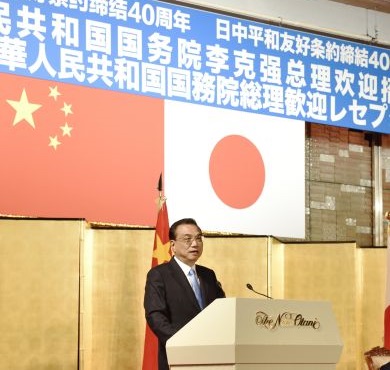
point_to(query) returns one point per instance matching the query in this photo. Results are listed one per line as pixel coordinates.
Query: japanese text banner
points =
(190, 55)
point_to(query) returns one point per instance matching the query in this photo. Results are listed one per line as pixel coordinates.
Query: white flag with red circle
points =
(235, 171)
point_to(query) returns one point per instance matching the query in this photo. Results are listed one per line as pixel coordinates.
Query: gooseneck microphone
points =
(250, 287)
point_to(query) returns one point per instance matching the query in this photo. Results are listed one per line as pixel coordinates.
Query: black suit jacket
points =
(170, 302)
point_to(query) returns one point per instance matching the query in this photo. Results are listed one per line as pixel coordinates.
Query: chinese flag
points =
(71, 151)
(161, 254)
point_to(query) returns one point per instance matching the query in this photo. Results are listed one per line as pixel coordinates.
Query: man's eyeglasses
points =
(189, 239)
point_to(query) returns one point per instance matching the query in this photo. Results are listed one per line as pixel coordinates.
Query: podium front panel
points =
(234, 331)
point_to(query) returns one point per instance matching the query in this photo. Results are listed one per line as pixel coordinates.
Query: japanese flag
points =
(234, 171)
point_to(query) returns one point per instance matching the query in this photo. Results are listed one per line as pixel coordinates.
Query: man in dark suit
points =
(170, 301)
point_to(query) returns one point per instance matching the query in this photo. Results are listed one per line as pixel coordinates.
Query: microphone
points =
(250, 287)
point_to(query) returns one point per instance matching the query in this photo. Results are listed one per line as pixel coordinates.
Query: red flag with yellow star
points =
(76, 152)
(161, 254)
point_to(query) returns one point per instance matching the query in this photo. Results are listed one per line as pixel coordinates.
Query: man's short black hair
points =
(183, 221)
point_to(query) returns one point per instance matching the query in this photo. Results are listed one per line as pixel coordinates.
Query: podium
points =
(258, 334)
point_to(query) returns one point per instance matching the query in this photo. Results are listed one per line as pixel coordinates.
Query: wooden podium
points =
(258, 334)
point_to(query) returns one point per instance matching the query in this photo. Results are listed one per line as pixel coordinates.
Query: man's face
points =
(188, 246)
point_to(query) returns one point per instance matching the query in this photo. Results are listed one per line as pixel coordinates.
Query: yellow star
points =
(162, 251)
(66, 129)
(54, 93)
(67, 109)
(54, 142)
(24, 109)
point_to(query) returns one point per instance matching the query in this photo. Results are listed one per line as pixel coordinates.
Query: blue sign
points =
(174, 52)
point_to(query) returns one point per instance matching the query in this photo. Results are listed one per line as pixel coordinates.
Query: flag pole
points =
(161, 199)
(387, 292)
(160, 188)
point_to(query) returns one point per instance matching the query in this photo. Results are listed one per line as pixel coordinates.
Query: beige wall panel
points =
(373, 263)
(121, 259)
(39, 290)
(237, 261)
(328, 272)
(276, 275)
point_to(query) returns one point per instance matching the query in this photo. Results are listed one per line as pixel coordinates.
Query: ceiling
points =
(378, 5)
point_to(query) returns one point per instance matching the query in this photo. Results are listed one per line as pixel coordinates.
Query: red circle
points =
(237, 171)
